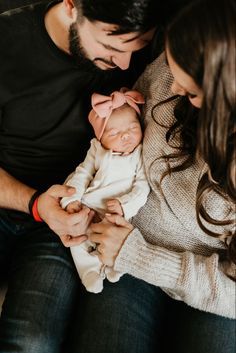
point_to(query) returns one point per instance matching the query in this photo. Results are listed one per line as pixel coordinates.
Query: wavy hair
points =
(201, 40)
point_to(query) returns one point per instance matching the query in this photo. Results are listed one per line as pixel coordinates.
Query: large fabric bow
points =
(103, 107)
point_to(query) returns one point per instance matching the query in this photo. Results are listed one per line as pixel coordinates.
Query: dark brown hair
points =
(201, 40)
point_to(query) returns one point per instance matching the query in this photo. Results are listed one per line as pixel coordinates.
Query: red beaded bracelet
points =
(33, 206)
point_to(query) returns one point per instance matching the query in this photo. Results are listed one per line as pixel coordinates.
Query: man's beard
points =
(80, 56)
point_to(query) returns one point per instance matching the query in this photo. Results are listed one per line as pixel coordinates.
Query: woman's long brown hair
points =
(201, 40)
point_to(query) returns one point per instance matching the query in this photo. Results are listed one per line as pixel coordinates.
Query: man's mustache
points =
(109, 63)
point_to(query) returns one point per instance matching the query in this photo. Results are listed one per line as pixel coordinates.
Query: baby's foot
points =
(112, 275)
(93, 282)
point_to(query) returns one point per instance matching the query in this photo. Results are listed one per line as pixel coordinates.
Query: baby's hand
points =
(74, 207)
(114, 206)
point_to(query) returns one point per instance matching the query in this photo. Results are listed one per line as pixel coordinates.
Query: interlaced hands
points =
(109, 235)
(70, 227)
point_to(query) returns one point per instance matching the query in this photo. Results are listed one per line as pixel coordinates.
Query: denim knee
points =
(31, 344)
(42, 290)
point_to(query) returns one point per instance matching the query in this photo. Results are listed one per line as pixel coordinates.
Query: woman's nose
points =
(177, 89)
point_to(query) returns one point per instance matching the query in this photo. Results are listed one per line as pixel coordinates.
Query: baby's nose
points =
(125, 136)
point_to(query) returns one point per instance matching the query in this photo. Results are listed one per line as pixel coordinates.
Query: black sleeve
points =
(6, 5)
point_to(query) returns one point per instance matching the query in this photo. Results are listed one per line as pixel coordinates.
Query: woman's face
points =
(183, 84)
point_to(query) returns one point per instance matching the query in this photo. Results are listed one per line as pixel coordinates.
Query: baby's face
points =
(123, 131)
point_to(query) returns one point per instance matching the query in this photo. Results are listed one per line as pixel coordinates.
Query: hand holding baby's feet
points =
(114, 206)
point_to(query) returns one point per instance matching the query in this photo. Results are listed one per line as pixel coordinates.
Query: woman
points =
(180, 249)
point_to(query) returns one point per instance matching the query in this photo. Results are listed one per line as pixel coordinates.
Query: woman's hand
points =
(70, 227)
(114, 206)
(109, 235)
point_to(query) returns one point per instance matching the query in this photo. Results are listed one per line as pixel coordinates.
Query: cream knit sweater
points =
(167, 248)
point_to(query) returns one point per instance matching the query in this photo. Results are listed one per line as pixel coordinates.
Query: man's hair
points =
(128, 15)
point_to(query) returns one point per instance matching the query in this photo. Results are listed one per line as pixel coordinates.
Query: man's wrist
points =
(33, 206)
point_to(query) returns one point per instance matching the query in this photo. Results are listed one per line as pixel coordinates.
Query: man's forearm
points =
(14, 194)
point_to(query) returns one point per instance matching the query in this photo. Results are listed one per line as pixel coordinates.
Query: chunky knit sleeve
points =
(199, 281)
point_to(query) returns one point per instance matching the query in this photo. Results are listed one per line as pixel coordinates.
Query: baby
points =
(111, 178)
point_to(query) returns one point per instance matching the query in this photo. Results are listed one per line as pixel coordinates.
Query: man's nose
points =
(122, 60)
(177, 89)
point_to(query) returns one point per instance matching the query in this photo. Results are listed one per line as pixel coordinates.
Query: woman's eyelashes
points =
(191, 95)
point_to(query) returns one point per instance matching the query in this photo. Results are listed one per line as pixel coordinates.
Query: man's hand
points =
(71, 228)
(110, 235)
(114, 206)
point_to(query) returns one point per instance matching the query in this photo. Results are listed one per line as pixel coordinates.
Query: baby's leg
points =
(89, 267)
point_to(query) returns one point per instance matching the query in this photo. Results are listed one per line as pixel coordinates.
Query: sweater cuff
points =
(151, 263)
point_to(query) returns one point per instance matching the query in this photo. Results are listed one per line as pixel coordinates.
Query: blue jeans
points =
(45, 303)
(42, 286)
(132, 316)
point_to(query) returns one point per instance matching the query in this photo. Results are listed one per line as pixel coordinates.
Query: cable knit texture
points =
(167, 248)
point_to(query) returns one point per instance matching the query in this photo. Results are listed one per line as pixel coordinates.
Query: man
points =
(52, 58)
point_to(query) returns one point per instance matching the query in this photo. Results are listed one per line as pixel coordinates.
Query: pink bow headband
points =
(103, 107)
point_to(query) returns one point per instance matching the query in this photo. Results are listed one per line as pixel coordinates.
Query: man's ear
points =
(70, 9)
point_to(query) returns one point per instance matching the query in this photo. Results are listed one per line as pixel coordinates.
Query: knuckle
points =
(51, 189)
